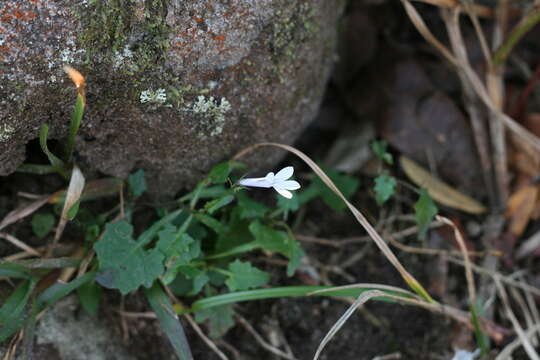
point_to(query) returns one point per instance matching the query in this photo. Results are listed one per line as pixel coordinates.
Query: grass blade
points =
(170, 324)
(60, 290)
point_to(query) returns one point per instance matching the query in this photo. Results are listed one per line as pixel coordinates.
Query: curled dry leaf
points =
(520, 208)
(438, 190)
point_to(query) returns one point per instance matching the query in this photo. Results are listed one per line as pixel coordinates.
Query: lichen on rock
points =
(257, 68)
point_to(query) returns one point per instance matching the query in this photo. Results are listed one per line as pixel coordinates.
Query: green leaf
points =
(136, 182)
(123, 262)
(12, 312)
(385, 187)
(42, 224)
(379, 148)
(211, 223)
(220, 173)
(425, 209)
(214, 205)
(73, 210)
(346, 184)
(89, 296)
(54, 160)
(250, 209)
(287, 205)
(220, 319)
(168, 321)
(16, 271)
(76, 118)
(60, 290)
(149, 234)
(244, 276)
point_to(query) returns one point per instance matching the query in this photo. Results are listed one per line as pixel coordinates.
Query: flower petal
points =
(287, 184)
(256, 182)
(285, 193)
(285, 173)
(270, 177)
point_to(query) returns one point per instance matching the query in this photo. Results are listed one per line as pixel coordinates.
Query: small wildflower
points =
(278, 181)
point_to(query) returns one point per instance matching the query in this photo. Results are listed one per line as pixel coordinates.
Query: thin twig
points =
(21, 245)
(261, 341)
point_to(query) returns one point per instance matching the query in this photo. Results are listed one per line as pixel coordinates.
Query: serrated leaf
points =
(42, 224)
(425, 209)
(250, 209)
(220, 319)
(125, 264)
(220, 173)
(385, 186)
(379, 148)
(244, 276)
(137, 183)
(216, 204)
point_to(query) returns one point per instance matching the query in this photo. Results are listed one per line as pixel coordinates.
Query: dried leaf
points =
(520, 208)
(438, 190)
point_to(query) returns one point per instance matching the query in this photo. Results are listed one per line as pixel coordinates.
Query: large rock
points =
(173, 86)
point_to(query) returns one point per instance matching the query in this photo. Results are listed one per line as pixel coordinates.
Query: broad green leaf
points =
(123, 262)
(244, 276)
(90, 296)
(12, 313)
(42, 224)
(169, 322)
(220, 173)
(250, 209)
(152, 231)
(385, 186)
(216, 204)
(379, 148)
(137, 184)
(236, 233)
(220, 319)
(425, 209)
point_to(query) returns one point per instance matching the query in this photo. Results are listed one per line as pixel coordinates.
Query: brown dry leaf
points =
(520, 208)
(438, 190)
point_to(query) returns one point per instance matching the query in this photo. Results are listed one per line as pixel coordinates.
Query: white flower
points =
(278, 181)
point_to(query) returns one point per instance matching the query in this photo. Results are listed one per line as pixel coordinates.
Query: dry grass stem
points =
(205, 338)
(506, 353)
(23, 211)
(21, 245)
(529, 349)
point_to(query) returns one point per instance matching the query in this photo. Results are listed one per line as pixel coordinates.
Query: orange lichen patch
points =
(198, 19)
(219, 38)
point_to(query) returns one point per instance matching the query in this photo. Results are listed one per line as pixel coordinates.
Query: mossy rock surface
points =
(173, 86)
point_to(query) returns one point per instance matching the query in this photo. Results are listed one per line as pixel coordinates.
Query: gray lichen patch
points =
(6, 131)
(173, 86)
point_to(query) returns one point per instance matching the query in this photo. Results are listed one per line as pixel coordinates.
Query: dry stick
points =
(532, 306)
(21, 245)
(478, 125)
(476, 84)
(495, 89)
(205, 338)
(409, 279)
(451, 20)
(261, 340)
(529, 349)
(505, 279)
(468, 269)
(524, 310)
(506, 353)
